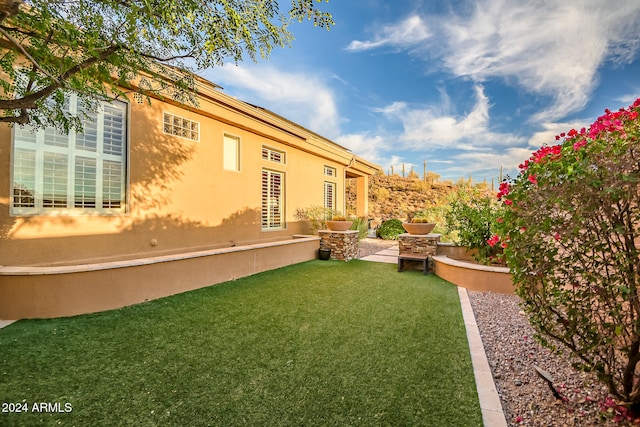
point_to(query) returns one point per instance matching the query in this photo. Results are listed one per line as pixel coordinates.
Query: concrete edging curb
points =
(492, 413)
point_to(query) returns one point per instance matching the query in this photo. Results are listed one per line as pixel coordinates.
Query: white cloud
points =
(547, 135)
(364, 145)
(508, 159)
(455, 144)
(550, 47)
(462, 164)
(628, 99)
(437, 128)
(406, 33)
(303, 98)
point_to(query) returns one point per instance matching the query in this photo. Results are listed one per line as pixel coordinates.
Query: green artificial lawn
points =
(318, 343)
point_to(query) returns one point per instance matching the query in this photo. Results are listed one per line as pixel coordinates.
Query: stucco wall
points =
(179, 197)
(29, 292)
(473, 276)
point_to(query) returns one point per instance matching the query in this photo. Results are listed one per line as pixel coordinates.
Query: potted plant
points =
(419, 226)
(339, 223)
(315, 215)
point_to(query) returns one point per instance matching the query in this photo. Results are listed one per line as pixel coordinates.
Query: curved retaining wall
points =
(474, 276)
(57, 291)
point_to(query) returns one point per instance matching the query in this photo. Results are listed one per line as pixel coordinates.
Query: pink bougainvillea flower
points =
(533, 179)
(578, 145)
(508, 202)
(556, 236)
(500, 220)
(547, 153)
(493, 240)
(503, 190)
(524, 165)
(518, 419)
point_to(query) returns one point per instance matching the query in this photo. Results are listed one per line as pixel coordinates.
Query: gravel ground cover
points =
(370, 246)
(512, 352)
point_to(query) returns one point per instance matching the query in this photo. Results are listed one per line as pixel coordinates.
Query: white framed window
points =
(330, 195)
(231, 153)
(75, 173)
(272, 200)
(329, 171)
(179, 126)
(273, 155)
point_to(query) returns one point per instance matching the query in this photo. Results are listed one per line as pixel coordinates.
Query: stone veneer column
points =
(343, 244)
(419, 244)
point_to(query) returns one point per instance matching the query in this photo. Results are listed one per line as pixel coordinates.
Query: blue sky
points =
(467, 86)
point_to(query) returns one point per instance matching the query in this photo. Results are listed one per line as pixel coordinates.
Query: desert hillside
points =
(401, 197)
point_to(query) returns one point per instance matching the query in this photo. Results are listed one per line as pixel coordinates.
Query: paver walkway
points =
(492, 413)
(389, 255)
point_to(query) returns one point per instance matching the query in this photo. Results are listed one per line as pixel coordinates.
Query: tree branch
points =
(29, 101)
(22, 50)
(171, 58)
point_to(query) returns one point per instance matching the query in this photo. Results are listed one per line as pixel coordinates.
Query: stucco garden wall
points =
(44, 292)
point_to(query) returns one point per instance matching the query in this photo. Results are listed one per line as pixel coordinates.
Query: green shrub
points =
(361, 224)
(472, 218)
(390, 229)
(316, 215)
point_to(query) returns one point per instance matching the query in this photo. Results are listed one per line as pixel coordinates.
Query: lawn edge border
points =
(492, 413)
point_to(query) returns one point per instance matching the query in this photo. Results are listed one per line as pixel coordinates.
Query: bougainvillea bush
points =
(571, 230)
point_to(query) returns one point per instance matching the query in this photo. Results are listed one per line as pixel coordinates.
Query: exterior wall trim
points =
(67, 269)
(472, 276)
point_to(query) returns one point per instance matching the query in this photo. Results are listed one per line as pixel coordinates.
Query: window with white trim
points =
(273, 155)
(231, 153)
(75, 173)
(179, 126)
(330, 195)
(329, 171)
(272, 200)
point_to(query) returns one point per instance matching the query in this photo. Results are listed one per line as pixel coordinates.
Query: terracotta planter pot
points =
(339, 225)
(418, 227)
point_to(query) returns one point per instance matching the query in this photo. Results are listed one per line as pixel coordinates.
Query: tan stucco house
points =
(153, 200)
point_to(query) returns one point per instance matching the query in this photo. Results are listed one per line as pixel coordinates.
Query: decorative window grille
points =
(74, 173)
(231, 153)
(179, 126)
(329, 171)
(330, 195)
(272, 200)
(273, 155)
